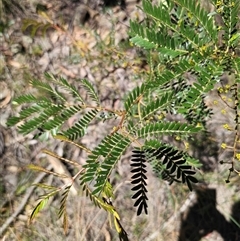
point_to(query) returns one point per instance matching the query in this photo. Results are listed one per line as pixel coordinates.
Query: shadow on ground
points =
(203, 218)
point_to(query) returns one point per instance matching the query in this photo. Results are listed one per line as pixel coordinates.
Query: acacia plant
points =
(189, 49)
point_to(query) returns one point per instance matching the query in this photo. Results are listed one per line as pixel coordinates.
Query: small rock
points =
(81, 15)
(44, 61)
(19, 61)
(54, 54)
(90, 77)
(54, 37)
(26, 41)
(119, 36)
(122, 16)
(16, 48)
(65, 51)
(67, 72)
(23, 218)
(103, 24)
(5, 94)
(74, 69)
(83, 73)
(44, 43)
(10, 181)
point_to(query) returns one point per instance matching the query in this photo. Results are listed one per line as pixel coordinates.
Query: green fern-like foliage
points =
(186, 39)
(189, 50)
(52, 110)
